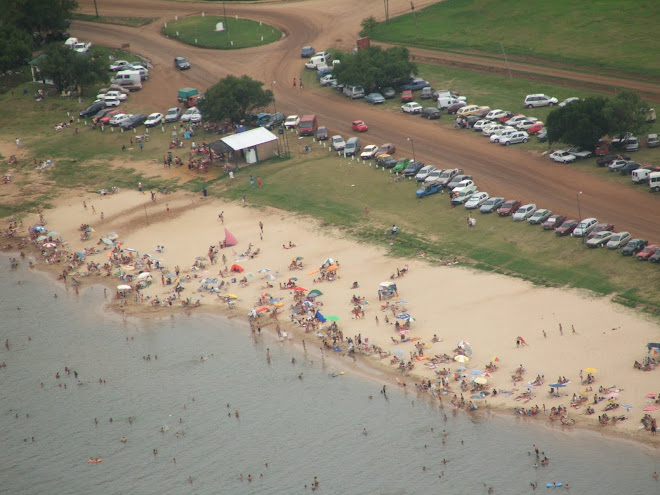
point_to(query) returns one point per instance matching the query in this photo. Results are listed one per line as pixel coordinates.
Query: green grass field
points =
(122, 21)
(239, 33)
(601, 34)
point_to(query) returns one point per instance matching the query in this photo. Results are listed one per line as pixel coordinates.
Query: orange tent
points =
(236, 268)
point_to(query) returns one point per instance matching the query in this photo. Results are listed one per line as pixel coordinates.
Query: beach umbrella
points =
(477, 396)
(50, 245)
(236, 268)
(300, 289)
(270, 277)
(112, 236)
(262, 309)
(299, 258)
(590, 370)
(313, 272)
(52, 233)
(144, 275)
(42, 238)
(650, 396)
(38, 228)
(90, 229)
(278, 304)
(249, 275)
(627, 406)
(529, 385)
(462, 343)
(650, 408)
(295, 279)
(476, 372)
(461, 359)
(399, 353)
(612, 395)
(319, 316)
(496, 359)
(558, 385)
(332, 318)
(461, 368)
(328, 261)
(403, 316)
(308, 303)
(231, 296)
(264, 270)
(333, 268)
(124, 287)
(314, 293)
(105, 240)
(481, 380)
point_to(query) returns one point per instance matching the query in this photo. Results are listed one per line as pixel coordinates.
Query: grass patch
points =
(239, 33)
(122, 21)
(601, 34)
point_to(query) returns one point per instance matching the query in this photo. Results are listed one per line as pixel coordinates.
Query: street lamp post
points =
(272, 89)
(577, 197)
(412, 143)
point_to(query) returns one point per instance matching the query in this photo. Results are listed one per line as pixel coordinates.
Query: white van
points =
(352, 147)
(654, 181)
(354, 92)
(317, 61)
(445, 101)
(127, 75)
(640, 175)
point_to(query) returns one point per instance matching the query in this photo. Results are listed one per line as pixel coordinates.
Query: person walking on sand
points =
(301, 85)
(221, 216)
(140, 187)
(294, 86)
(261, 227)
(18, 143)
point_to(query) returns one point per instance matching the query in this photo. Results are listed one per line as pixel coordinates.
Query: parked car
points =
(536, 128)
(568, 101)
(338, 143)
(455, 107)
(509, 207)
(496, 114)
(524, 212)
(482, 112)
(601, 227)
(652, 141)
(632, 144)
(621, 139)
(655, 258)
(173, 115)
(430, 113)
(457, 179)
(387, 161)
(647, 252)
(407, 96)
(465, 183)
(424, 173)
(192, 115)
(374, 98)
(618, 240)
(412, 107)
(468, 110)
(476, 200)
(539, 216)
(507, 131)
(307, 51)
(105, 120)
(426, 93)
(553, 222)
(359, 126)
(448, 175)
(416, 84)
(600, 239)
(388, 93)
(562, 157)
(491, 205)
(428, 189)
(492, 129)
(327, 80)
(542, 135)
(292, 122)
(584, 227)
(412, 169)
(539, 100)
(628, 168)
(276, 119)
(526, 124)
(434, 176)
(606, 160)
(387, 148)
(153, 119)
(580, 153)
(369, 152)
(515, 120)
(133, 121)
(602, 148)
(401, 165)
(567, 227)
(181, 63)
(616, 165)
(633, 247)
(479, 125)
(322, 133)
(93, 109)
(514, 138)
(462, 196)
(111, 101)
(118, 119)
(119, 65)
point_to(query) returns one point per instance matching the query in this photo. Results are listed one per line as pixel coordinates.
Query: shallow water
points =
(301, 428)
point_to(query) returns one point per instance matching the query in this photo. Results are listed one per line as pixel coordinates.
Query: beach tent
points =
(230, 239)
(320, 317)
(236, 268)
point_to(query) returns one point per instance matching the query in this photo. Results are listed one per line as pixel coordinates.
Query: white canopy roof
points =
(249, 139)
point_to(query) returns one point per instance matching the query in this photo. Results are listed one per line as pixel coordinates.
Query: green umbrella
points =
(314, 293)
(332, 318)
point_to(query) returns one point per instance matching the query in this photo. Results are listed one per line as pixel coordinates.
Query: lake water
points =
(301, 427)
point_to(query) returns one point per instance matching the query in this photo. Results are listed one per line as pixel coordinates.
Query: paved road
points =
(500, 170)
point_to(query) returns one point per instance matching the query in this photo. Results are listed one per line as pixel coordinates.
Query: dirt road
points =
(499, 170)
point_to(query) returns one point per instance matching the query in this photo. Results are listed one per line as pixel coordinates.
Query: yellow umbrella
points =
(278, 304)
(591, 370)
(232, 296)
(461, 359)
(481, 380)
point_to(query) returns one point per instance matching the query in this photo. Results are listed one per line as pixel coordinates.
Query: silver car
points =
(618, 240)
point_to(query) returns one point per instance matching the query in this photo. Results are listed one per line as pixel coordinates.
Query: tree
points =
(368, 24)
(234, 99)
(580, 123)
(38, 16)
(15, 47)
(67, 68)
(374, 67)
(626, 112)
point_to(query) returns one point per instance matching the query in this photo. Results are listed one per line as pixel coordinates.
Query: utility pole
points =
(224, 13)
(96, 8)
(506, 61)
(387, 10)
(412, 7)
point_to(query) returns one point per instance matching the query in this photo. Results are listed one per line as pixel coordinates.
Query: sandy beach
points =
(564, 331)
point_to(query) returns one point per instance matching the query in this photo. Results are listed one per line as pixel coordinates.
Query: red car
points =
(509, 207)
(535, 128)
(600, 228)
(567, 227)
(553, 222)
(647, 252)
(602, 148)
(407, 96)
(360, 126)
(106, 118)
(386, 149)
(508, 116)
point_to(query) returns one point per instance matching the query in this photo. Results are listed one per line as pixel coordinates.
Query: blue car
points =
(432, 188)
(416, 84)
(307, 51)
(374, 98)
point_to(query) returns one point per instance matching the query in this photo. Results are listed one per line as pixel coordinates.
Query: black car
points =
(628, 168)
(412, 169)
(275, 120)
(181, 63)
(321, 134)
(633, 247)
(388, 162)
(93, 109)
(388, 93)
(415, 83)
(655, 258)
(323, 71)
(430, 113)
(542, 135)
(133, 121)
